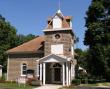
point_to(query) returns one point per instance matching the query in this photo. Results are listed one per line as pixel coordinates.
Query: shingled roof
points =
(30, 46)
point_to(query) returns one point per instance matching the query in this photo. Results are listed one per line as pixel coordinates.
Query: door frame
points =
(53, 73)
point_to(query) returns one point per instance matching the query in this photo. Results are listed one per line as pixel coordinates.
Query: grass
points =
(107, 84)
(97, 84)
(14, 86)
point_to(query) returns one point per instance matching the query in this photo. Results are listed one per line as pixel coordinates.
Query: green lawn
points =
(14, 86)
(97, 84)
(88, 85)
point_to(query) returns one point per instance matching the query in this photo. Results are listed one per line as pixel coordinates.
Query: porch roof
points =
(54, 58)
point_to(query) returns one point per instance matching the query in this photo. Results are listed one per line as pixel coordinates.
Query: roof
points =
(65, 19)
(59, 13)
(53, 58)
(30, 46)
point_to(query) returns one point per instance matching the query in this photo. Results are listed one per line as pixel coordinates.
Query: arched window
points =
(24, 69)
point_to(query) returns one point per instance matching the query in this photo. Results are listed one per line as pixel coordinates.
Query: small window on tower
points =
(57, 36)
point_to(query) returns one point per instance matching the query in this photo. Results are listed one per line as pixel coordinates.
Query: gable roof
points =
(30, 46)
(66, 18)
(53, 58)
(65, 24)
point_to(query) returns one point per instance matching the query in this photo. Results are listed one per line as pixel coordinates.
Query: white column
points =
(44, 68)
(41, 73)
(8, 69)
(71, 71)
(63, 74)
(69, 75)
(66, 73)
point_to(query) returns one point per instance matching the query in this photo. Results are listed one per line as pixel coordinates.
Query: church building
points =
(51, 56)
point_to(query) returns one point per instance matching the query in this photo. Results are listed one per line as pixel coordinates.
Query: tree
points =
(24, 38)
(7, 39)
(81, 57)
(97, 37)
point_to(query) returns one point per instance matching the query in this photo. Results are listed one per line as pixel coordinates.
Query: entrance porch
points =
(55, 69)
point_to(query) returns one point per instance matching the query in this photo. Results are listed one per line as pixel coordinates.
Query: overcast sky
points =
(30, 16)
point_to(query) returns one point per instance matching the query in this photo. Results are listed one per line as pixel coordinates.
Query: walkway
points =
(82, 87)
(49, 86)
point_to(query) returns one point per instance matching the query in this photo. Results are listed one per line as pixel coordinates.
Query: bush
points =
(91, 81)
(35, 83)
(76, 81)
(3, 78)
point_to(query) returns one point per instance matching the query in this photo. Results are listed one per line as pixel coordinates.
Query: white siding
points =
(0, 72)
(57, 22)
(57, 49)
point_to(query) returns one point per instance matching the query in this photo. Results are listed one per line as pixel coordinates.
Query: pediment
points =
(53, 58)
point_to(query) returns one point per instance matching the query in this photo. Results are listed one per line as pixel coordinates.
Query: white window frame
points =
(55, 49)
(22, 69)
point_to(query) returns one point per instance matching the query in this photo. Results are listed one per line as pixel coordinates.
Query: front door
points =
(57, 74)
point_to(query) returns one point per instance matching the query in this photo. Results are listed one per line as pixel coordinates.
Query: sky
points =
(30, 16)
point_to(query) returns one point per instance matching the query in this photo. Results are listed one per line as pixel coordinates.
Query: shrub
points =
(76, 81)
(3, 78)
(91, 81)
(33, 81)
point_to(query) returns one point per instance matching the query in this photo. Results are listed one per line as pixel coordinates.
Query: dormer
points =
(58, 21)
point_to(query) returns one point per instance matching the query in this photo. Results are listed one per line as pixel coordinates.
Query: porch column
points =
(41, 72)
(44, 73)
(71, 72)
(67, 73)
(63, 74)
(69, 80)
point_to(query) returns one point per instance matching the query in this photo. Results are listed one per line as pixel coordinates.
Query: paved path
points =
(52, 86)
(49, 86)
(82, 87)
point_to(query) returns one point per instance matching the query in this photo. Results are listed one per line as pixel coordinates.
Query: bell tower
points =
(59, 37)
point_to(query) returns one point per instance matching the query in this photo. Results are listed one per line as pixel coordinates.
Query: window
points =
(57, 22)
(57, 36)
(57, 49)
(24, 69)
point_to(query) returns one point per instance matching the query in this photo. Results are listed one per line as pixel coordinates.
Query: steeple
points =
(58, 21)
(59, 11)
